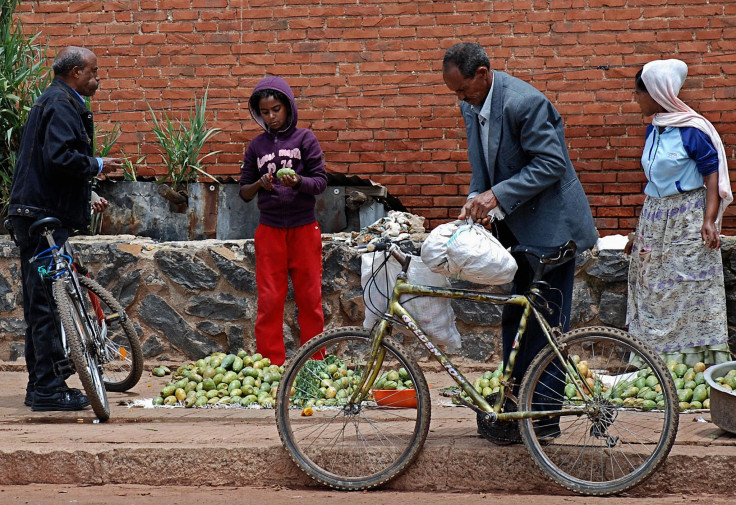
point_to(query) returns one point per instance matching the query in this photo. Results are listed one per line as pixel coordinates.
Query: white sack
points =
(467, 251)
(434, 315)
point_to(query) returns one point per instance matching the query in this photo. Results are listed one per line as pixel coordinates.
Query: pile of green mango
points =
(330, 383)
(222, 379)
(642, 391)
(251, 380)
(394, 379)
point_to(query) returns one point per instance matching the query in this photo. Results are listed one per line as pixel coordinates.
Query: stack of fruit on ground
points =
(330, 382)
(222, 379)
(639, 390)
(252, 381)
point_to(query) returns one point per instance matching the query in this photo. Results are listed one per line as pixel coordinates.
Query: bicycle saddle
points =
(549, 255)
(45, 222)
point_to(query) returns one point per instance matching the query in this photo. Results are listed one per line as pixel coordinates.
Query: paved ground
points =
(236, 447)
(127, 494)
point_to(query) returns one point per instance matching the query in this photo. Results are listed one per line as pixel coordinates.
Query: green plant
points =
(105, 140)
(129, 167)
(181, 143)
(23, 77)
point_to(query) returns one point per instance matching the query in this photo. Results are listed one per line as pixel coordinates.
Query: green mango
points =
(700, 393)
(168, 390)
(229, 377)
(227, 361)
(685, 395)
(699, 378)
(283, 172)
(209, 385)
(630, 392)
(680, 369)
(648, 405)
(651, 381)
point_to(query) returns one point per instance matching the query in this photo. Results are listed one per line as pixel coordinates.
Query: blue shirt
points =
(676, 160)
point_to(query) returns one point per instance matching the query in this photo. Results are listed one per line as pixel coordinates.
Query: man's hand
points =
(112, 167)
(99, 204)
(479, 207)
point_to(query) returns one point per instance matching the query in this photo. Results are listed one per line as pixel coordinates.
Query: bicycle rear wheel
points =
(617, 443)
(343, 444)
(82, 349)
(122, 357)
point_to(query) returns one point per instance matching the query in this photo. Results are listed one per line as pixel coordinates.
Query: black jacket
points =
(55, 165)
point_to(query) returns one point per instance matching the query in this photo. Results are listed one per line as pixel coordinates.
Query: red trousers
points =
(280, 253)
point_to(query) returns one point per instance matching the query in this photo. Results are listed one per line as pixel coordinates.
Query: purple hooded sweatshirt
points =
(292, 147)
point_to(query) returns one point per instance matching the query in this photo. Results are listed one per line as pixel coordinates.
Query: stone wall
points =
(188, 299)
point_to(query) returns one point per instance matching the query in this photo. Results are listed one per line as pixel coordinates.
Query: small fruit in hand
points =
(284, 172)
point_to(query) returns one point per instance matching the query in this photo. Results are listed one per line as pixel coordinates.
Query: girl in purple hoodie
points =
(288, 240)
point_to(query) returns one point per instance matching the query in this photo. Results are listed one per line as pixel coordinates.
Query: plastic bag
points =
(467, 251)
(434, 315)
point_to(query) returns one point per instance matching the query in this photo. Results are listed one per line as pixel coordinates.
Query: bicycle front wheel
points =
(345, 444)
(82, 349)
(630, 411)
(121, 358)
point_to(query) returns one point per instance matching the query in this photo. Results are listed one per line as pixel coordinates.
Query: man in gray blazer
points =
(521, 171)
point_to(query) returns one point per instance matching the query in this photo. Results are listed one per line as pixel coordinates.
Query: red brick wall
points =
(367, 74)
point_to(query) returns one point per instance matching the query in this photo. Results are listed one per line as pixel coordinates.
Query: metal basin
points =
(722, 401)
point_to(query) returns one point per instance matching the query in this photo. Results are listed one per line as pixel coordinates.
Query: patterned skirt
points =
(676, 297)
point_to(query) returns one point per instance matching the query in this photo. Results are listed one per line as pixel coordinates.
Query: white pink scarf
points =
(663, 79)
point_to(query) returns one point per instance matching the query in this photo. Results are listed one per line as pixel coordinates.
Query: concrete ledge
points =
(231, 447)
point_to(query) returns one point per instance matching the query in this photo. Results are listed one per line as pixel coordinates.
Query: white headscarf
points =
(663, 79)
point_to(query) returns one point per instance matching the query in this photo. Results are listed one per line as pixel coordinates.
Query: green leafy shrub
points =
(181, 143)
(23, 77)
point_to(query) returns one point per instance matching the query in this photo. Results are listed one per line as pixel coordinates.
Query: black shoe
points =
(29, 399)
(66, 400)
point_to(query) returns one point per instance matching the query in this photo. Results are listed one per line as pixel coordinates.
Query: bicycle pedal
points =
(64, 368)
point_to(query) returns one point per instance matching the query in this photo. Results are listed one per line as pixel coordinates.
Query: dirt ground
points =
(147, 495)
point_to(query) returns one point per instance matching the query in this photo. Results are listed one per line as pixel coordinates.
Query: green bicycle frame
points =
(395, 309)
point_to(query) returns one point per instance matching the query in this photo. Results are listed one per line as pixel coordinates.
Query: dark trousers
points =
(560, 278)
(43, 345)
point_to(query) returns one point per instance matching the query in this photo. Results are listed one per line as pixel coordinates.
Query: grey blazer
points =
(530, 171)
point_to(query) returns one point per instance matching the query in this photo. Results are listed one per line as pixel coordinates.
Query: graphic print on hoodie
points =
(290, 147)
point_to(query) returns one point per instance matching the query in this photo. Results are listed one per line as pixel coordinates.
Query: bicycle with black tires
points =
(344, 427)
(99, 340)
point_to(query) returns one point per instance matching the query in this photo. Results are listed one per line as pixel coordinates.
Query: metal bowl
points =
(722, 400)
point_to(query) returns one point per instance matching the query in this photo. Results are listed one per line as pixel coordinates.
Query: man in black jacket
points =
(53, 177)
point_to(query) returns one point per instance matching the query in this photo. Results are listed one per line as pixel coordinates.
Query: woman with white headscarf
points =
(677, 301)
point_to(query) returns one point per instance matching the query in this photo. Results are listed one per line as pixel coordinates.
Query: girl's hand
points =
(266, 182)
(291, 180)
(629, 245)
(709, 233)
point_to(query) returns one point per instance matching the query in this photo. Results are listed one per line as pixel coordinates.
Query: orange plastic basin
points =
(404, 398)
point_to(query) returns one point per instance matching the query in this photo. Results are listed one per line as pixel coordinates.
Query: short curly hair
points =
(69, 58)
(467, 57)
